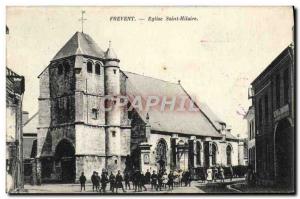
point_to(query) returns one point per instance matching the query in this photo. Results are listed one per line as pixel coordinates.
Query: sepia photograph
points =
(133, 100)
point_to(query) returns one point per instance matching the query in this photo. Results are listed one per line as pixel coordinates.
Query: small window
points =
(116, 161)
(113, 133)
(89, 67)
(66, 66)
(115, 71)
(97, 69)
(60, 69)
(95, 113)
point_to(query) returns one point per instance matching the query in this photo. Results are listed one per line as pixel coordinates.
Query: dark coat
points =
(119, 180)
(82, 179)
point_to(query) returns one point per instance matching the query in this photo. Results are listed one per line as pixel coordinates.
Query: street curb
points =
(233, 189)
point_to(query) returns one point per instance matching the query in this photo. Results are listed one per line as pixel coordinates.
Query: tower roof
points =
(110, 53)
(80, 44)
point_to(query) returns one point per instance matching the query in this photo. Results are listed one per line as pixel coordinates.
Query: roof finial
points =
(82, 19)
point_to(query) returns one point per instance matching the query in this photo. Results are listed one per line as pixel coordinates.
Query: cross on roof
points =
(82, 19)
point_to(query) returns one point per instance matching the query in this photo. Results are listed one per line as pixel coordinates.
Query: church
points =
(75, 134)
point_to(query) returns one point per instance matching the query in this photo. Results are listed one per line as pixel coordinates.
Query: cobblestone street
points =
(196, 187)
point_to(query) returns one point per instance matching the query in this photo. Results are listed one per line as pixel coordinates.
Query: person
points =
(188, 178)
(93, 179)
(222, 176)
(154, 180)
(127, 180)
(171, 180)
(231, 173)
(209, 175)
(176, 178)
(142, 182)
(136, 178)
(148, 176)
(182, 178)
(82, 181)
(159, 180)
(215, 174)
(164, 180)
(104, 180)
(98, 182)
(112, 180)
(119, 183)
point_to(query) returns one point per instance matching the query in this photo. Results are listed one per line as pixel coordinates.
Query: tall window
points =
(89, 67)
(250, 129)
(97, 69)
(67, 67)
(266, 108)
(228, 154)
(277, 90)
(198, 153)
(60, 69)
(259, 113)
(214, 154)
(286, 86)
(95, 113)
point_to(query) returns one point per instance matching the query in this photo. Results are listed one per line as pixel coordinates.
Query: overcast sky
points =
(216, 58)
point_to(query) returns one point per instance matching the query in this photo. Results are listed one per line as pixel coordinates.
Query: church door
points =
(65, 157)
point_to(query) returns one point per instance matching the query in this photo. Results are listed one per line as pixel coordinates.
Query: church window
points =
(116, 161)
(97, 69)
(95, 113)
(60, 69)
(66, 66)
(277, 87)
(286, 86)
(214, 154)
(89, 67)
(198, 153)
(266, 108)
(228, 154)
(259, 112)
(113, 133)
(115, 71)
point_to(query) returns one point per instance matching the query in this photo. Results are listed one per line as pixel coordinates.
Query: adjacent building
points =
(15, 87)
(274, 107)
(250, 117)
(75, 134)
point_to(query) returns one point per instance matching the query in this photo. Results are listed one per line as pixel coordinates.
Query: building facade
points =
(75, 134)
(250, 117)
(15, 87)
(274, 107)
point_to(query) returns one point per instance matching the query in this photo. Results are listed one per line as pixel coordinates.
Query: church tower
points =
(117, 128)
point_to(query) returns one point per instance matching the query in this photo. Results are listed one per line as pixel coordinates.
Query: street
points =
(196, 187)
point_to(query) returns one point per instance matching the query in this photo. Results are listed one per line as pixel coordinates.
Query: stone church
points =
(76, 135)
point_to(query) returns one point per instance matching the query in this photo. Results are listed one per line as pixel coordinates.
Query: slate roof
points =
(80, 44)
(185, 122)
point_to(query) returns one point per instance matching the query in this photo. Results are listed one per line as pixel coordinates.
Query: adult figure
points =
(127, 180)
(221, 173)
(112, 180)
(142, 182)
(82, 181)
(148, 176)
(171, 180)
(98, 179)
(154, 179)
(93, 179)
(104, 181)
(119, 180)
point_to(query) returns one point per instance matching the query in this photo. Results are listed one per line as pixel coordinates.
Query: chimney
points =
(25, 117)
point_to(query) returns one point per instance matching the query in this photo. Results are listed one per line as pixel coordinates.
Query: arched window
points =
(89, 67)
(59, 69)
(97, 69)
(228, 154)
(198, 153)
(214, 154)
(66, 66)
(161, 154)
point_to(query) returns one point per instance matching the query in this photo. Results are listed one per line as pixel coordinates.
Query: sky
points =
(216, 57)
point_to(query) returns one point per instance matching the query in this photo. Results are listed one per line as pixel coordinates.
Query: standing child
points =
(82, 181)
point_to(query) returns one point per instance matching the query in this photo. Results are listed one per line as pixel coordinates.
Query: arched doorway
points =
(228, 155)
(65, 161)
(161, 155)
(284, 153)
